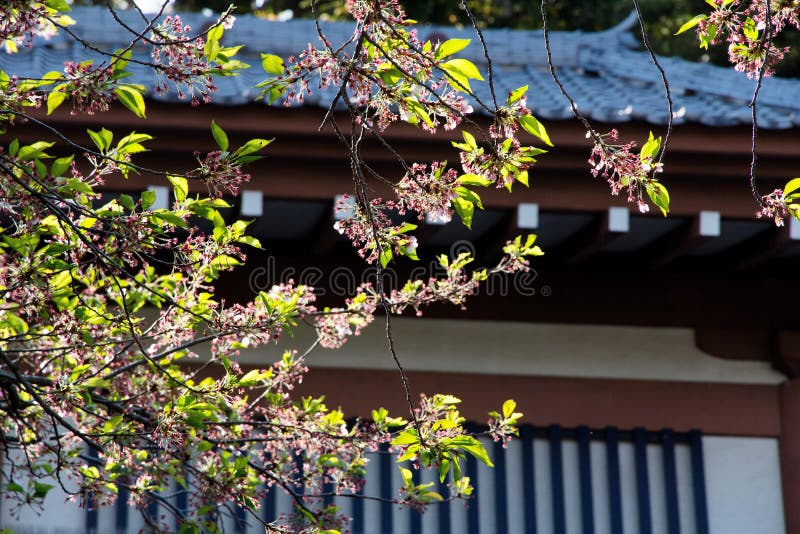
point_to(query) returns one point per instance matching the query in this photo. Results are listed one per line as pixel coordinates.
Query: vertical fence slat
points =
(529, 478)
(92, 518)
(415, 519)
(557, 480)
(385, 462)
(444, 509)
(181, 498)
(121, 510)
(473, 522)
(358, 513)
(500, 496)
(585, 472)
(240, 520)
(670, 482)
(614, 485)
(642, 481)
(269, 506)
(699, 482)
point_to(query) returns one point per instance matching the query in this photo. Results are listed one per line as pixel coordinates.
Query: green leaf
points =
(659, 195)
(148, 198)
(58, 5)
(13, 486)
(181, 187)
(126, 202)
(220, 137)
(465, 210)
(96, 382)
(474, 180)
(61, 165)
(465, 67)
(474, 447)
(532, 125)
(516, 94)
(749, 29)
(694, 21)
(450, 47)
(792, 188)
(171, 218)
(407, 437)
(101, 139)
(650, 148)
(469, 195)
(508, 408)
(272, 64)
(131, 97)
(250, 240)
(251, 146)
(55, 99)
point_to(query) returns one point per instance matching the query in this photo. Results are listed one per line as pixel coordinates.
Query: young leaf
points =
(532, 125)
(450, 47)
(272, 64)
(465, 67)
(55, 99)
(101, 139)
(148, 198)
(220, 137)
(131, 97)
(694, 21)
(180, 186)
(516, 94)
(650, 148)
(792, 188)
(465, 210)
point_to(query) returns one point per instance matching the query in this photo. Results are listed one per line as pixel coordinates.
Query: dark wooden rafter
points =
(675, 244)
(755, 252)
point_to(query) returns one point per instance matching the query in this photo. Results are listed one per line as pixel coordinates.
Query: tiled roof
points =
(611, 79)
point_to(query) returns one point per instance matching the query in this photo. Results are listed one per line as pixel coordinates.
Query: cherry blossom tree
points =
(103, 306)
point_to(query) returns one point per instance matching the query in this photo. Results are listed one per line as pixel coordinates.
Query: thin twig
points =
(665, 82)
(767, 36)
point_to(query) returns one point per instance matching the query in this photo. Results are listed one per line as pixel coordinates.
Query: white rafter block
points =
(794, 228)
(619, 219)
(252, 203)
(528, 216)
(162, 197)
(344, 207)
(433, 220)
(710, 224)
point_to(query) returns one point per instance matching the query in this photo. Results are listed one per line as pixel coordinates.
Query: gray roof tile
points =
(610, 79)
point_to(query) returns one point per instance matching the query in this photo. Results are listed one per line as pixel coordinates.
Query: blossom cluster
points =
(181, 59)
(221, 173)
(428, 190)
(750, 28)
(625, 170)
(22, 20)
(392, 75)
(372, 232)
(88, 86)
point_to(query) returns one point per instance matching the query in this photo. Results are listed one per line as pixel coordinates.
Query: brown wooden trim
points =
(714, 408)
(704, 168)
(738, 344)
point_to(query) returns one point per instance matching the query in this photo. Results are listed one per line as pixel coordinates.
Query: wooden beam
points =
(761, 248)
(614, 223)
(697, 230)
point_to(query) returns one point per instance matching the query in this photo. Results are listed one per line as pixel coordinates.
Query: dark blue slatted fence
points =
(384, 465)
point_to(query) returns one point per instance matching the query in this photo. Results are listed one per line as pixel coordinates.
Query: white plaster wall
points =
(743, 484)
(490, 347)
